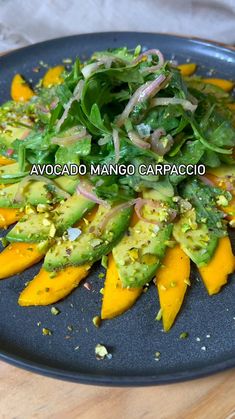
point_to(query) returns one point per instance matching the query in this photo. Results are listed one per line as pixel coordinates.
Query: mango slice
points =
(17, 257)
(187, 69)
(20, 90)
(46, 288)
(9, 216)
(5, 161)
(215, 274)
(53, 76)
(226, 85)
(116, 300)
(231, 106)
(172, 279)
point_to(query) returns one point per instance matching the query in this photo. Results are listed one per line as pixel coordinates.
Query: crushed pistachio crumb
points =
(96, 321)
(104, 261)
(55, 311)
(159, 315)
(157, 356)
(101, 275)
(184, 335)
(101, 351)
(46, 332)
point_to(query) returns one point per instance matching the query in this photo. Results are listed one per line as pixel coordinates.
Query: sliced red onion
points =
(89, 69)
(158, 146)
(164, 101)
(148, 53)
(136, 140)
(71, 139)
(206, 181)
(113, 211)
(25, 134)
(116, 142)
(146, 91)
(76, 96)
(9, 152)
(86, 189)
(140, 202)
(19, 196)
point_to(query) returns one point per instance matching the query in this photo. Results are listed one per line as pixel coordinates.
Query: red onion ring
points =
(136, 140)
(76, 96)
(139, 203)
(146, 54)
(147, 90)
(71, 139)
(9, 152)
(116, 142)
(164, 101)
(86, 189)
(206, 181)
(156, 145)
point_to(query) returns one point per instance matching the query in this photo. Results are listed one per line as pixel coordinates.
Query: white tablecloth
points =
(28, 21)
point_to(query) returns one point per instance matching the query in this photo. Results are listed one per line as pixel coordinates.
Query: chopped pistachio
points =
(183, 335)
(187, 281)
(159, 315)
(102, 291)
(221, 200)
(101, 275)
(46, 332)
(96, 321)
(104, 261)
(157, 356)
(100, 351)
(70, 328)
(55, 311)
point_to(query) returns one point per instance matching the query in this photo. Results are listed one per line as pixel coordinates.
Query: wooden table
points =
(24, 395)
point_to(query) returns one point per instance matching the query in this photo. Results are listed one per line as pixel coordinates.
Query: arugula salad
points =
(121, 107)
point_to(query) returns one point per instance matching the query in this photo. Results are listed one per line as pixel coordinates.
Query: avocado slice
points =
(38, 227)
(195, 238)
(139, 254)
(36, 192)
(11, 173)
(91, 245)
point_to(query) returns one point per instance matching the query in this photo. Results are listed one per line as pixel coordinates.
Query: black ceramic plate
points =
(134, 337)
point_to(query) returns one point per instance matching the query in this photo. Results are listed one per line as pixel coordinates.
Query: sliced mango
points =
(187, 69)
(20, 90)
(226, 85)
(5, 160)
(172, 279)
(17, 257)
(231, 106)
(215, 274)
(46, 288)
(116, 300)
(53, 76)
(9, 216)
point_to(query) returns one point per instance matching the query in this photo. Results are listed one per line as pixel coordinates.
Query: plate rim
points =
(115, 380)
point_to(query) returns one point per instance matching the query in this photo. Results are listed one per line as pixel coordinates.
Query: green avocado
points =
(92, 244)
(195, 239)
(11, 173)
(38, 227)
(139, 254)
(37, 192)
